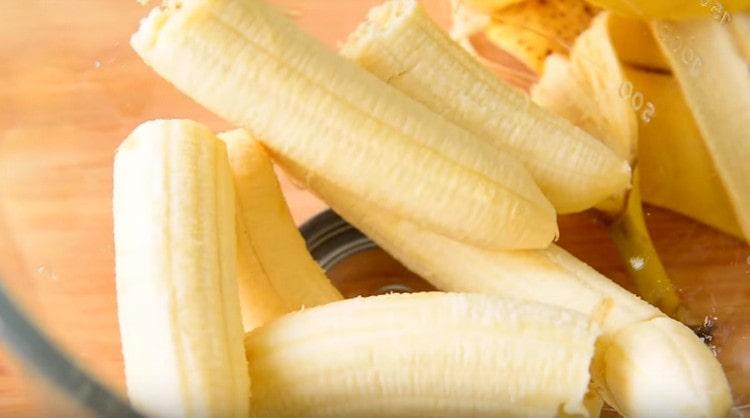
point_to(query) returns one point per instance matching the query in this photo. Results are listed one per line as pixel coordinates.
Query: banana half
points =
(275, 273)
(179, 314)
(252, 66)
(402, 46)
(423, 355)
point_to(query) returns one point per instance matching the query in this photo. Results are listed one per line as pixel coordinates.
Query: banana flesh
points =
(275, 273)
(718, 94)
(585, 89)
(635, 365)
(554, 277)
(401, 45)
(423, 355)
(250, 65)
(175, 253)
(550, 276)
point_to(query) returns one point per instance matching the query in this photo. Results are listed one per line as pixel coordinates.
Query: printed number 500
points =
(637, 101)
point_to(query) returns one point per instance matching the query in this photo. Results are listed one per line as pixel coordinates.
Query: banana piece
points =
(275, 273)
(252, 66)
(534, 29)
(554, 277)
(677, 172)
(635, 364)
(550, 276)
(718, 93)
(422, 355)
(673, 9)
(175, 253)
(401, 45)
(586, 90)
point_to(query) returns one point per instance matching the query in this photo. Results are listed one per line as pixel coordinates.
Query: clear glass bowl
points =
(71, 89)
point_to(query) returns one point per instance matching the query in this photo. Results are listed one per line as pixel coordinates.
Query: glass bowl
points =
(72, 89)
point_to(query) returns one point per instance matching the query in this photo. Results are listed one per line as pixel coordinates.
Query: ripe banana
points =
(401, 45)
(534, 29)
(252, 66)
(550, 276)
(645, 379)
(175, 254)
(422, 355)
(673, 9)
(718, 94)
(275, 272)
(676, 169)
(686, 367)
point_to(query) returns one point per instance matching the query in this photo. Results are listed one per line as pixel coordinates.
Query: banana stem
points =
(630, 235)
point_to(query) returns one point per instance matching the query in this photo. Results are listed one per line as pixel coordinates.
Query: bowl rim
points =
(40, 356)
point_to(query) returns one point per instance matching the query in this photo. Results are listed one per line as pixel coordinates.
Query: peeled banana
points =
(718, 94)
(275, 272)
(549, 276)
(401, 45)
(422, 355)
(645, 379)
(175, 253)
(552, 276)
(586, 89)
(249, 64)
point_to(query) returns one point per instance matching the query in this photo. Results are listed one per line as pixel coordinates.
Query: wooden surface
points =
(71, 89)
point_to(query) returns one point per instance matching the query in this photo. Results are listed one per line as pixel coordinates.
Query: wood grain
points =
(71, 89)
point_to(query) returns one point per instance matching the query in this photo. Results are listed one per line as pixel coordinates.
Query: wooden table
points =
(71, 89)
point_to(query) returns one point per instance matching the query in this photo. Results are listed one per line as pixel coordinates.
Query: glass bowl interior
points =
(71, 89)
